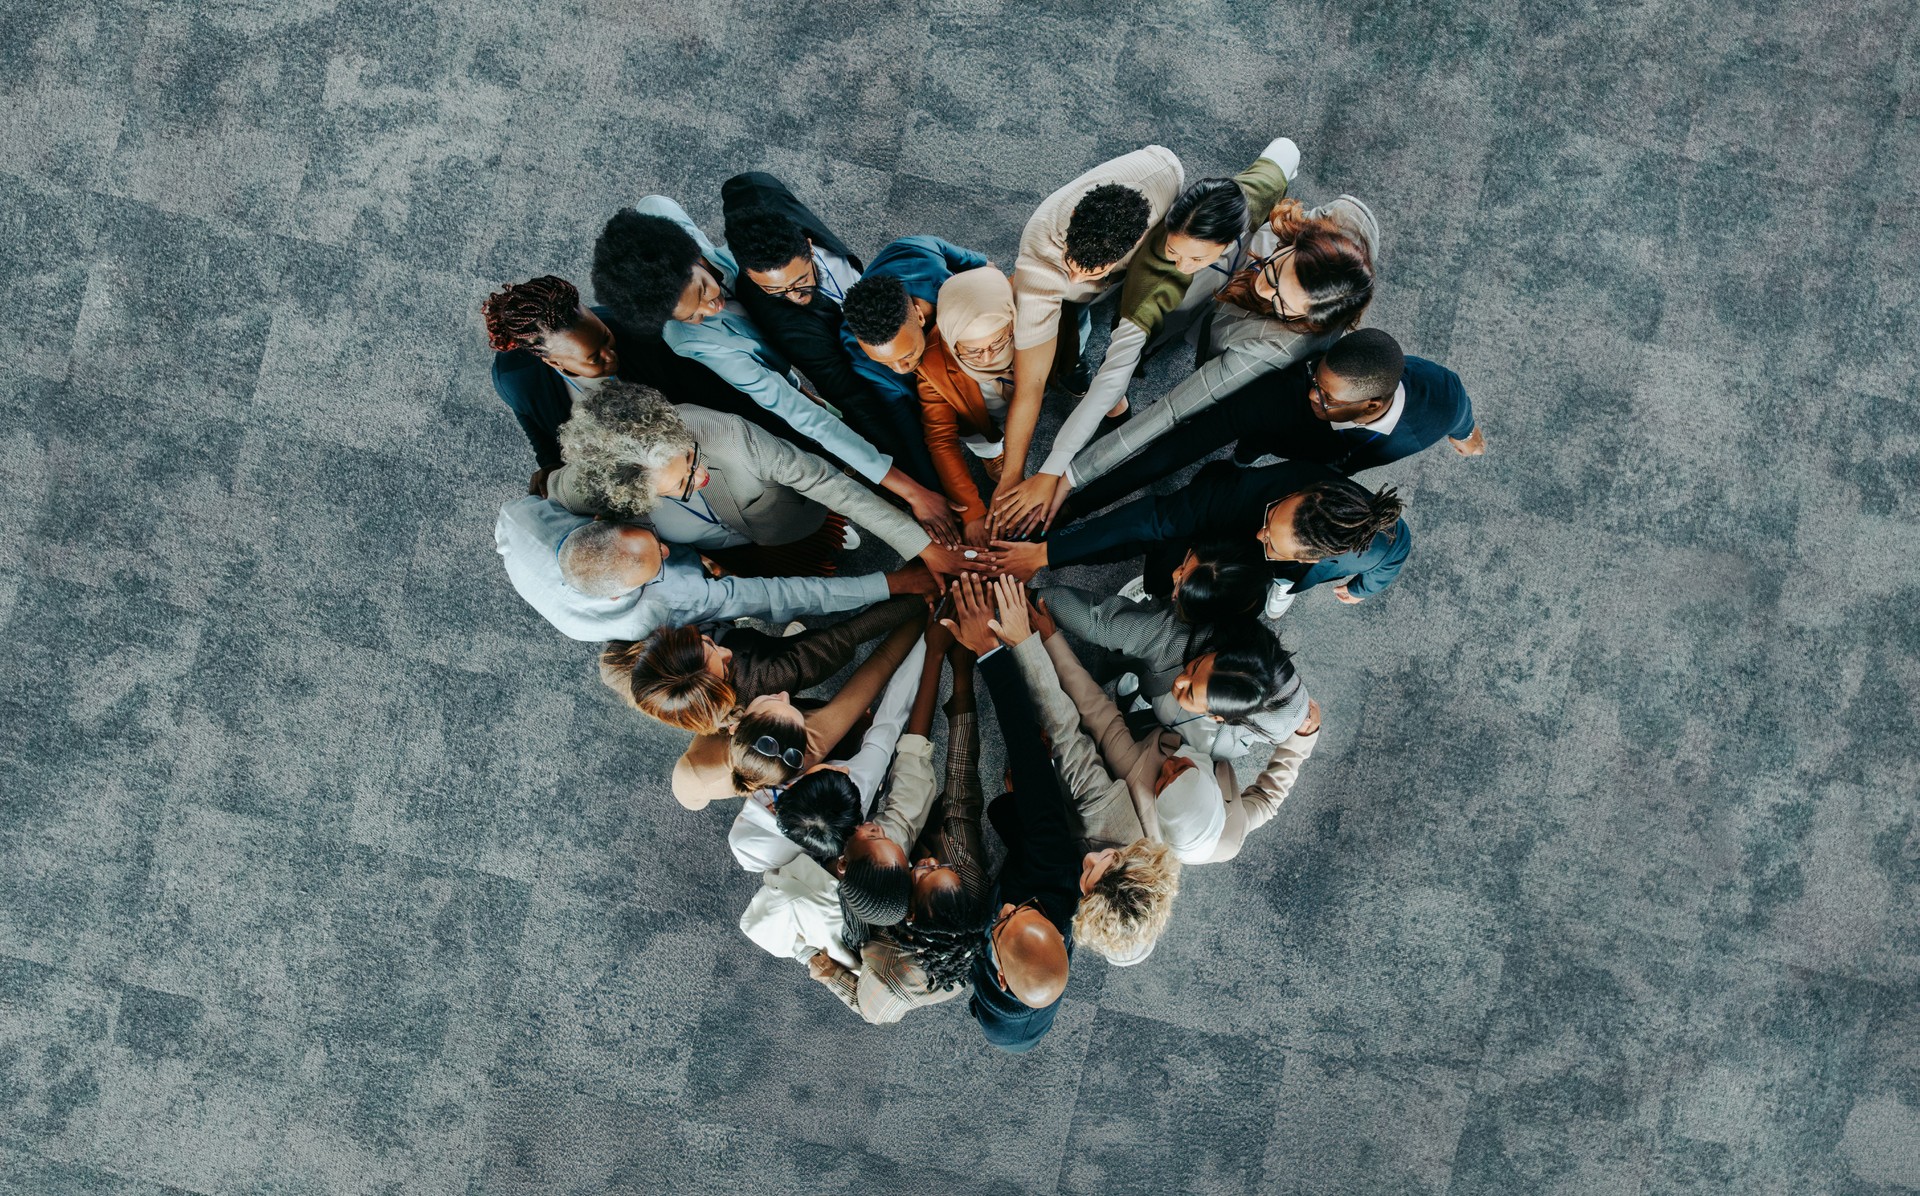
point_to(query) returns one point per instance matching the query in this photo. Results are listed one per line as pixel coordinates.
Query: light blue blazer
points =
(731, 346)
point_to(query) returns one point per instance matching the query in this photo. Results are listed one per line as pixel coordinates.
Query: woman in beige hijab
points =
(966, 378)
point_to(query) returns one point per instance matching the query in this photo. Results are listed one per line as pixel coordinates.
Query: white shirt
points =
(833, 274)
(1385, 425)
(755, 836)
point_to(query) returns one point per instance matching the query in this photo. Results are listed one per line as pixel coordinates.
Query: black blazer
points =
(1437, 405)
(808, 336)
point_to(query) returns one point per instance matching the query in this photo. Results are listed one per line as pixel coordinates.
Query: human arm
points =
(778, 600)
(827, 723)
(798, 662)
(1261, 800)
(867, 768)
(940, 423)
(1392, 555)
(1099, 716)
(780, 461)
(1236, 366)
(1048, 848)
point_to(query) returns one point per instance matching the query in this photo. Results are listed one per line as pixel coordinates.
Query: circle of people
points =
(727, 418)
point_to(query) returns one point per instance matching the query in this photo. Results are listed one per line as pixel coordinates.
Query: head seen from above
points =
(768, 744)
(975, 316)
(1105, 226)
(1321, 277)
(630, 448)
(1220, 581)
(545, 317)
(1206, 220)
(605, 560)
(649, 271)
(774, 252)
(1327, 519)
(1246, 672)
(820, 811)
(887, 322)
(676, 675)
(1126, 899)
(1356, 380)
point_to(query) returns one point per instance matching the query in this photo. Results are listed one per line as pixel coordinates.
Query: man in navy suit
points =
(1364, 404)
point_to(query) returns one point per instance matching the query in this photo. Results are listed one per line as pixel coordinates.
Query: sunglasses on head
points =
(770, 747)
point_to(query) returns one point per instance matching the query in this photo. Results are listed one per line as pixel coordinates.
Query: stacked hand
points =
(1018, 558)
(971, 621)
(936, 514)
(1022, 507)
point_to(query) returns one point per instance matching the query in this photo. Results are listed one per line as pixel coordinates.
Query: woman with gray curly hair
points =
(756, 504)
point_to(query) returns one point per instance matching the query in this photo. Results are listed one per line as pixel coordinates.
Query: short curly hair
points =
(876, 308)
(1106, 224)
(641, 264)
(1127, 908)
(762, 239)
(618, 436)
(1370, 359)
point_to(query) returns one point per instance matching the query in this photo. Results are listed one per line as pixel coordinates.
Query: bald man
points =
(615, 581)
(1018, 979)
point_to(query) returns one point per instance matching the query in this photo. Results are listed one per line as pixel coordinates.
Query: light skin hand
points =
(1312, 725)
(823, 967)
(1474, 445)
(1011, 598)
(1020, 558)
(1346, 595)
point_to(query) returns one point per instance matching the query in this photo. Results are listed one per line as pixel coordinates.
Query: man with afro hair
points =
(655, 269)
(1074, 251)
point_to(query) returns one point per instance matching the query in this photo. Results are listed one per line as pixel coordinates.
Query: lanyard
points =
(824, 282)
(689, 509)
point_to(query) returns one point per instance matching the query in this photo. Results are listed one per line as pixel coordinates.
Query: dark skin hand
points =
(972, 619)
(912, 578)
(538, 484)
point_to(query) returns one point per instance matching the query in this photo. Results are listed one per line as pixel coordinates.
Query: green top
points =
(1153, 286)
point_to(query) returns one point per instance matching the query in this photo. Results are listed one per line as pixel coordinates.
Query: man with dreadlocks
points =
(925, 959)
(548, 347)
(1313, 525)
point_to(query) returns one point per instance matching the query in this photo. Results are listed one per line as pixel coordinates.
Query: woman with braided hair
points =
(548, 347)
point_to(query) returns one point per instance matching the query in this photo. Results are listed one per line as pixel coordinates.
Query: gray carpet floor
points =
(326, 867)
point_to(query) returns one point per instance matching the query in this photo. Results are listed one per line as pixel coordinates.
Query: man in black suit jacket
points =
(794, 275)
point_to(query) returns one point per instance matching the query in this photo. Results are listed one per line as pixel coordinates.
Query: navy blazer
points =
(1224, 500)
(808, 335)
(1437, 405)
(921, 264)
(541, 397)
(1043, 856)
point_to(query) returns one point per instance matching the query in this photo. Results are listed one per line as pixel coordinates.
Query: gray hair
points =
(620, 434)
(595, 561)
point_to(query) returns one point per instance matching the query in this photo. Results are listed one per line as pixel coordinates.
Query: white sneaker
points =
(850, 538)
(793, 628)
(1260, 462)
(1135, 590)
(1280, 596)
(1127, 686)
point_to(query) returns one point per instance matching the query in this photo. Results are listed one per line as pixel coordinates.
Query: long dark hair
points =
(945, 937)
(1340, 516)
(1210, 210)
(1251, 673)
(1226, 587)
(818, 812)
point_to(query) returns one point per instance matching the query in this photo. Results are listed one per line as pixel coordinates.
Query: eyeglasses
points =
(811, 282)
(770, 747)
(999, 345)
(693, 471)
(1270, 270)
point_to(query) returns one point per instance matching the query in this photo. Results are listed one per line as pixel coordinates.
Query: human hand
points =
(823, 967)
(1059, 500)
(1346, 595)
(1011, 597)
(1475, 445)
(1019, 507)
(935, 514)
(972, 619)
(1041, 617)
(1312, 724)
(945, 563)
(1019, 558)
(975, 532)
(538, 483)
(714, 568)
(912, 578)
